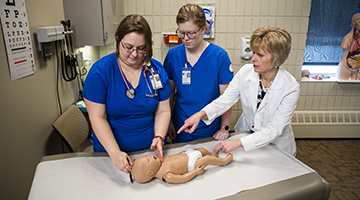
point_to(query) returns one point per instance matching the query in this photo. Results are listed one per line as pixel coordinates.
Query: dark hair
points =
(138, 24)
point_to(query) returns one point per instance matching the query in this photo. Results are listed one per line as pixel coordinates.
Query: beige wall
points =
(28, 106)
(237, 18)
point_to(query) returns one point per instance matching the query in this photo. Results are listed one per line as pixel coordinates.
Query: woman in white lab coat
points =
(268, 94)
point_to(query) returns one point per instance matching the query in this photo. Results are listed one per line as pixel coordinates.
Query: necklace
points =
(130, 92)
(132, 72)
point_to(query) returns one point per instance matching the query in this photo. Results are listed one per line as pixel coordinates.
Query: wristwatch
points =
(226, 127)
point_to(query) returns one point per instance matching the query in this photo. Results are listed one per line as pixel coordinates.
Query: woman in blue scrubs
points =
(199, 72)
(127, 96)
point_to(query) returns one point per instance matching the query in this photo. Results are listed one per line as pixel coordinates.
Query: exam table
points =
(264, 173)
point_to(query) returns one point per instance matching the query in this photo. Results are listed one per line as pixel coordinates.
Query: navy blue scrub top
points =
(131, 120)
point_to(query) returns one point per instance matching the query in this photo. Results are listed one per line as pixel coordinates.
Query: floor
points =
(337, 161)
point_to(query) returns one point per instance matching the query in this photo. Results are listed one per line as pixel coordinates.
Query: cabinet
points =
(93, 22)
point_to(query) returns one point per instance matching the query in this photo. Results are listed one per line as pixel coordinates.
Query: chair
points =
(73, 128)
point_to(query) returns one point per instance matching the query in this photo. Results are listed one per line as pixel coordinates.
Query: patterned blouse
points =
(262, 90)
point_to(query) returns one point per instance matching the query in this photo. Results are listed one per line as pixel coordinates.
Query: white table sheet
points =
(97, 178)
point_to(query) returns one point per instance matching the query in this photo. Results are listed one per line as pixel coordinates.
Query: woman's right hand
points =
(102, 129)
(192, 122)
(122, 161)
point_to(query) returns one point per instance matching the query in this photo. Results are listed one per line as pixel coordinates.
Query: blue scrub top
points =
(131, 120)
(213, 68)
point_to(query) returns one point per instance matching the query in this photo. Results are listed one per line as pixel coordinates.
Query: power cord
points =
(68, 62)
(57, 76)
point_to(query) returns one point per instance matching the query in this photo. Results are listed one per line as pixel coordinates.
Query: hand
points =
(171, 131)
(192, 122)
(227, 146)
(157, 145)
(120, 160)
(200, 169)
(221, 135)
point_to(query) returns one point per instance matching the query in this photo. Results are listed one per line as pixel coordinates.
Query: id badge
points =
(156, 82)
(186, 76)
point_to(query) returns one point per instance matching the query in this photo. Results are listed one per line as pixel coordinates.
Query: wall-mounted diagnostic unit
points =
(94, 22)
(50, 33)
(46, 35)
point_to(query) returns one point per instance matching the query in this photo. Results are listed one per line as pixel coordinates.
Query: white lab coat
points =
(272, 119)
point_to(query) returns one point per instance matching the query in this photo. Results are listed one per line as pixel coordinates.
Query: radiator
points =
(326, 124)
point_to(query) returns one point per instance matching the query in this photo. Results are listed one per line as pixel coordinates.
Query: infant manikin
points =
(178, 168)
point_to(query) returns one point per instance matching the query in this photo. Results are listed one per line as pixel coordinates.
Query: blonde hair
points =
(274, 40)
(194, 13)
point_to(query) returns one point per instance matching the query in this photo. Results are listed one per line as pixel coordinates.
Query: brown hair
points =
(138, 24)
(194, 13)
(275, 40)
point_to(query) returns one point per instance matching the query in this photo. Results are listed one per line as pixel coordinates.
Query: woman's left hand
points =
(157, 146)
(227, 146)
(221, 135)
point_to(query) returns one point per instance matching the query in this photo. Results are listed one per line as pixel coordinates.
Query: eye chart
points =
(17, 38)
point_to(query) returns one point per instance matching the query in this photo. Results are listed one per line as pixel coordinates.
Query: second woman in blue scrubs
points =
(127, 112)
(199, 72)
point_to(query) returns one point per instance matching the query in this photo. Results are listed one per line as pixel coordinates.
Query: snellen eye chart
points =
(17, 38)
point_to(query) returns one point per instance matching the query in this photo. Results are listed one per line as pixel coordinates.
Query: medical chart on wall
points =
(17, 38)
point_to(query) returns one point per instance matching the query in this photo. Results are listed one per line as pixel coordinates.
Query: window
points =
(329, 22)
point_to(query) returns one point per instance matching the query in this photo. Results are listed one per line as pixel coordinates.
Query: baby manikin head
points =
(145, 168)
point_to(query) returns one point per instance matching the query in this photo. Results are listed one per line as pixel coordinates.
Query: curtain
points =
(329, 22)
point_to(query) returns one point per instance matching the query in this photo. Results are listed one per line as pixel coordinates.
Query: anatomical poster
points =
(210, 19)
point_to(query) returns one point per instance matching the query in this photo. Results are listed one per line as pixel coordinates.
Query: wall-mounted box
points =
(93, 22)
(171, 38)
(50, 33)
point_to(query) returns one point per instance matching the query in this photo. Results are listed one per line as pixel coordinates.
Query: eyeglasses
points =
(191, 35)
(131, 49)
